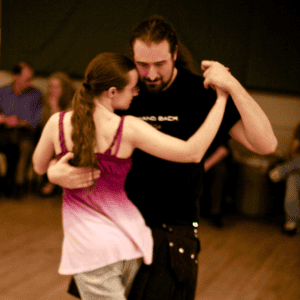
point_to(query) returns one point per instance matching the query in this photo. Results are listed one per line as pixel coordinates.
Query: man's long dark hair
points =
(155, 30)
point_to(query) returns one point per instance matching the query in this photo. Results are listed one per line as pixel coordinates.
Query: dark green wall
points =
(258, 40)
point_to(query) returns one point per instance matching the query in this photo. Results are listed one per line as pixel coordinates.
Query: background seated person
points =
(290, 171)
(58, 98)
(20, 114)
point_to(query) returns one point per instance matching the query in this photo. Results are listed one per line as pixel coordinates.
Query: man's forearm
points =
(217, 156)
(257, 127)
(61, 173)
(254, 130)
(23, 123)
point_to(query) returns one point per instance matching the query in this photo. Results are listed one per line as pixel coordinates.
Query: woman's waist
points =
(98, 207)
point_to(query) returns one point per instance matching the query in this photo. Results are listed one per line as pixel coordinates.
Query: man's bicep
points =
(237, 132)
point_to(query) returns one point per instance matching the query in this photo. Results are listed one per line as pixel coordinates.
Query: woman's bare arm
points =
(164, 146)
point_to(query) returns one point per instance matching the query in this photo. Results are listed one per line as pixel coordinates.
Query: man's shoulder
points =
(186, 79)
(34, 91)
(191, 85)
(6, 92)
(6, 88)
(185, 75)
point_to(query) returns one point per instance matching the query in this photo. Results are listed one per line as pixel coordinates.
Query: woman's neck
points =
(103, 111)
(104, 104)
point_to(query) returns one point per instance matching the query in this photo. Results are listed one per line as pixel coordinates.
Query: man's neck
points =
(16, 89)
(175, 71)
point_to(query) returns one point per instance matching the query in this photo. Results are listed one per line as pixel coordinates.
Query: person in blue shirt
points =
(20, 114)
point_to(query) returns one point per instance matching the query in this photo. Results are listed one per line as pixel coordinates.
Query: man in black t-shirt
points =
(170, 111)
(176, 102)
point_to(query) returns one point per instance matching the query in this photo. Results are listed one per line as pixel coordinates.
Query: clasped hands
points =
(217, 76)
(11, 121)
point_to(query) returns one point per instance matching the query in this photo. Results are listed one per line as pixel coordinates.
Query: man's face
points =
(23, 80)
(155, 64)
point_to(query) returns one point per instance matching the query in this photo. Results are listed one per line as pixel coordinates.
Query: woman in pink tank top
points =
(105, 235)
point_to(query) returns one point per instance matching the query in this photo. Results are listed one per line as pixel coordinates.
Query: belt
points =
(183, 229)
(179, 239)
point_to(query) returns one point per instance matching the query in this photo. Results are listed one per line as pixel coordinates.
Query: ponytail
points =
(104, 71)
(83, 133)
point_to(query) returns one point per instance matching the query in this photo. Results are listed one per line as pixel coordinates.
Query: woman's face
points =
(124, 97)
(55, 89)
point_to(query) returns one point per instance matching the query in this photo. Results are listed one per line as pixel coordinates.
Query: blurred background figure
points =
(216, 180)
(290, 171)
(20, 114)
(58, 98)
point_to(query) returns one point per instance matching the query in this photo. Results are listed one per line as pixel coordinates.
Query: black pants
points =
(173, 273)
(9, 146)
(216, 188)
(16, 143)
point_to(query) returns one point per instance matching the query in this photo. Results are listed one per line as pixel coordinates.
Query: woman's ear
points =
(112, 92)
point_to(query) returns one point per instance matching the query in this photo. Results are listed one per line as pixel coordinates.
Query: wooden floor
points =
(246, 260)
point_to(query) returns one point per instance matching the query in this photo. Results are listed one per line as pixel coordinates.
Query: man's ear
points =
(112, 92)
(175, 53)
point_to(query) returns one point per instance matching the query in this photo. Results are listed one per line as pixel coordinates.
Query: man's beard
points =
(157, 88)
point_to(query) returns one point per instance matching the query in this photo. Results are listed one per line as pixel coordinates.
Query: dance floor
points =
(248, 259)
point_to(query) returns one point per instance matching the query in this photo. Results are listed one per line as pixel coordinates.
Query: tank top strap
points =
(118, 137)
(61, 132)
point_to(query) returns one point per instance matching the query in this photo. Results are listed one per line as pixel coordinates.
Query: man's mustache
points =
(152, 81)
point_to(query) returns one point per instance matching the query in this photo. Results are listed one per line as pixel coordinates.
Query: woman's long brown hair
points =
(106, 70)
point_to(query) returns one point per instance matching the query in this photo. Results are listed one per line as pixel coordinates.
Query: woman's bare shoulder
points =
(68, 115)
(134, 121)
(55, 117)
